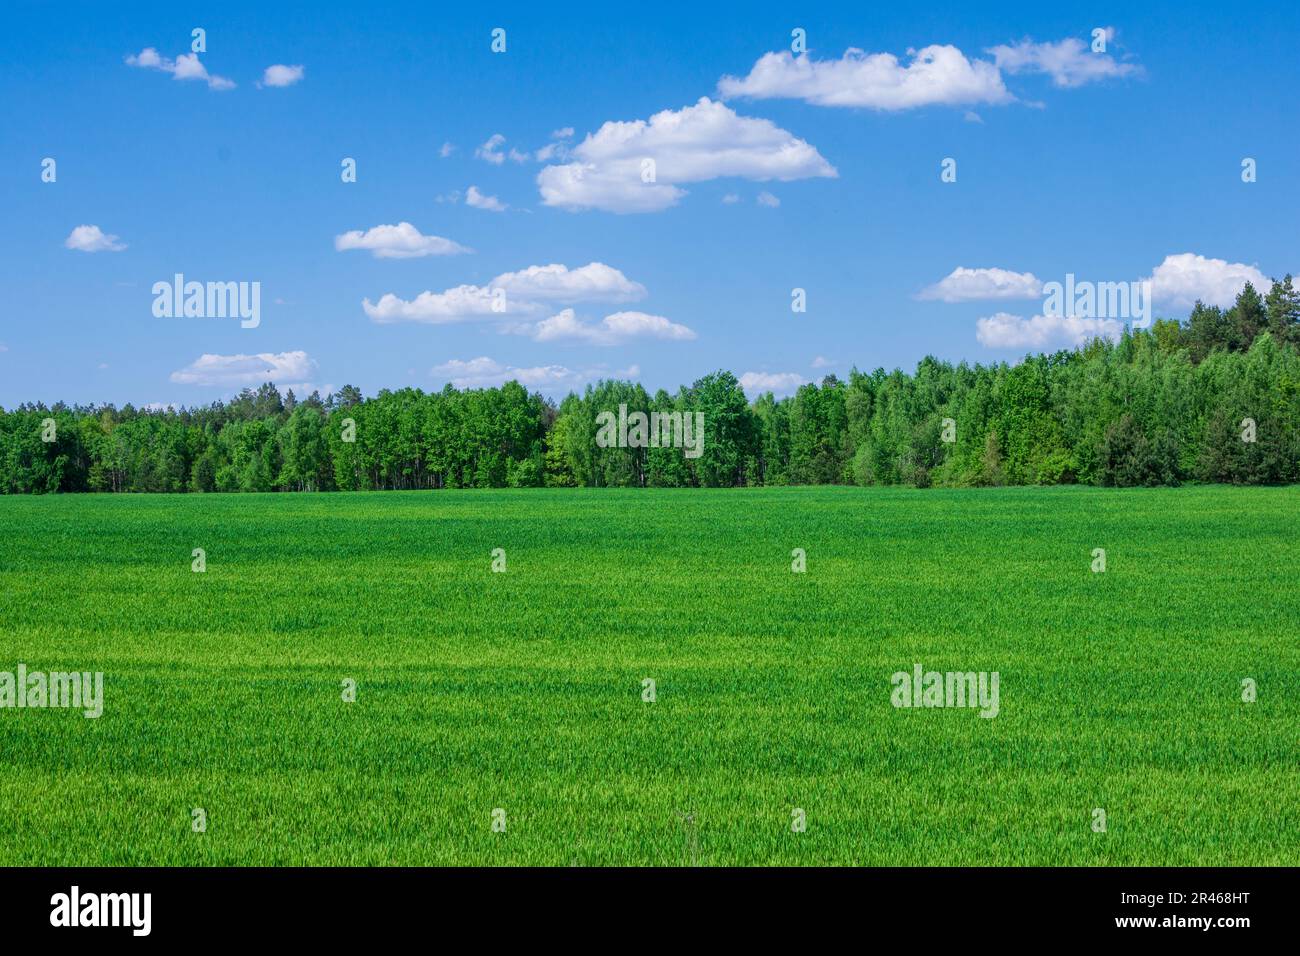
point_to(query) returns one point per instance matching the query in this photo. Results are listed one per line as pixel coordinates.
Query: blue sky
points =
(818, 171)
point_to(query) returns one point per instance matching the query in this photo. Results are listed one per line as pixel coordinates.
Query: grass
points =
(522, 690)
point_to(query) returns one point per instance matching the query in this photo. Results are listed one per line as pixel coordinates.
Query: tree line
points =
(1214, 398)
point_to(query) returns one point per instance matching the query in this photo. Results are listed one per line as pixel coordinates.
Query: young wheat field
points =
(504, 717)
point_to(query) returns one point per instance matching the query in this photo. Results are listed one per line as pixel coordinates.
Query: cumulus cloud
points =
(441, 308)
(625, 325)
(402, 241)
(184, 67)
(483, 372)
(491, 150)
(1182, 279)
(281, 75)
(935, 75)
(594, 282)
(552, 151)
(614, 329)
(779, 383)
(965, 285)
(556, 150)
(1004, 331)
(93, 239)
(563, 325)
(480, 201)
(765, 198)
(1069, 62)
(511, 293)
(638, 166)
(1178, 282)
(446, 150)
(238, 370)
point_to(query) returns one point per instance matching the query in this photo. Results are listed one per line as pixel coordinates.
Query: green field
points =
(523, 690)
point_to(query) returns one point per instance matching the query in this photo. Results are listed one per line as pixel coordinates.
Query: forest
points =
(1213, 398)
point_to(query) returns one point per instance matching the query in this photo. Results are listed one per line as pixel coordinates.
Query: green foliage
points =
(1162, 406)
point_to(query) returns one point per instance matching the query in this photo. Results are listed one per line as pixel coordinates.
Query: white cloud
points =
(627, 325)
(560, 150)
(483, 372)
(730, 199)
(446, 150)
(148, 58)
(765, 198)
(965, 285)
(402, 241)
(614, 329)
(1004, 331)
(563, 325)
(594, 282)
(440, 308)
(239, 370)
(1182, 279)
(281, 75)
(939, 74)
(1069, 62)
(93, 239)
(693, 144)
(552, 151)
(511, 293)
(184, 67)
(779, 383)
(491, 150)
(936, 75)
(479, 201)
(821, 362)
(1177, 282)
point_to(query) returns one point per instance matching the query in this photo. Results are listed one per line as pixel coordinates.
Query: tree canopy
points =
(1215, 398)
